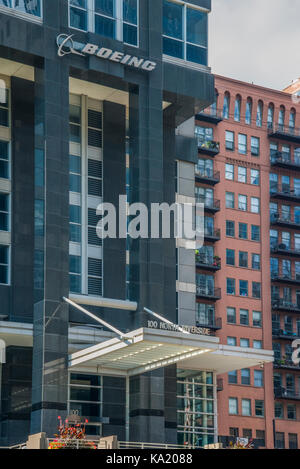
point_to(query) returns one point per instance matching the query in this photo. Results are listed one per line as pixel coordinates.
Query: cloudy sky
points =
(256, 40)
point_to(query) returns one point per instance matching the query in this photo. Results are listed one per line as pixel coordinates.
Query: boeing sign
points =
(66, 45)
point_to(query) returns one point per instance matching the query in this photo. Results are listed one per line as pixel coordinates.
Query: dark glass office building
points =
(97, 100)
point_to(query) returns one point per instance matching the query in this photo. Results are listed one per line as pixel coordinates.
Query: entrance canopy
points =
(146, 349)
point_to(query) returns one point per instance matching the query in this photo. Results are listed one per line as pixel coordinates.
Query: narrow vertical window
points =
(259, 116)
(248, 115)
(237, 108)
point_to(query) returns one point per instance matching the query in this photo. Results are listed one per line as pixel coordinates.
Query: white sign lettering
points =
(66, 45)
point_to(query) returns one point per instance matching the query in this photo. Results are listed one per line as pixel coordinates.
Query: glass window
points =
(230, 284)
(226, 107)
(256, 261)
(248, 115)
(242, 144)
(255, 177)
(245, 377)
(237, 109)
(292, 119)
(4, 212)
(175, 31)
(78, 14)
(4, 160)
(75, 274)
(25, 6)
(270, 115)
(255, 205)
(293, 441)
(258, 378)
(230, 257)
(278, 410)
(281, 117)
(256, 318)
(233, 406)
(243, 287)
(245, 343)
(4, 264)
(259, 116)
(231, 315)
(229, 200)
(255, 146)
(244, 317)
(232, 377)
(259, 408)
(229, 140)
(243, 231)
(273, 182)
(242, 200)
(255, 233)
(243, 259)
(291, 412)
(230, 229)
(130, 21)
(75, 223)
(257, 344)
(256, 290)
(246, 407)
(242, 174)
(229, 172)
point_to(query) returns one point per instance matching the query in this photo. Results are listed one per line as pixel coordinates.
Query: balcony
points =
(281, 304)
(284, 222)
(212, 236)
(283, 250)
(207, 293)
(210, 205)
(283, 160)
(215, 324)
(213, 116)
(206, 262)
(286, 364)
(207, 176)
(284, 133)
(285, 278)
(284, 193)
(289, 394)
(208, 147)
(282, 334)
(220, 384)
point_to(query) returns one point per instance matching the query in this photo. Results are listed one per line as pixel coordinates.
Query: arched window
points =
(237, 108)
(259, 115)
(292, 118)
(226, 105)
(270, 115)
(281, 117)
(214, 106)
(248, 115)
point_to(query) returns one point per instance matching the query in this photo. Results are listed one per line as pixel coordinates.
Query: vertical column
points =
(50, 345)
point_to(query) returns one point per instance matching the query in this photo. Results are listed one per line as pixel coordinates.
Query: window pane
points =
(130, 34)
(105, 7)
(196, 54)
(130, 11)
(78, 19)
(173, 48)
(196, 27)
(105, 26)
(172, 20)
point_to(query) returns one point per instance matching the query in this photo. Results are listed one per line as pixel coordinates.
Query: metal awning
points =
(148, 349)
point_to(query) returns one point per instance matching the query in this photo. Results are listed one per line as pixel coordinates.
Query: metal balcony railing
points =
(284, 192)
(285, 278)
(210, 114)
(284, 249)
(209, 204)
(284, 220)
(285, 363)
(285, 132)
(207, 175)
(212, 234)
(212, 323)
(285, 305)
(284, 160)
(205, 260)
(208, 292)
(284, 393)
(283, 333)
(209, 147)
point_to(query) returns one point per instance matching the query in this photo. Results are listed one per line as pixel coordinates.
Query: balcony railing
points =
(283, 393)
(207, 176)
(284, 160)
(211, 115)
(284, 132)
(284, 193)
(285, 305)
(285, 278)
(284, 334)
(208, 147)
(208, 292)
(213, 323)
(210, 205)
(212, 235)
(204, 261)
(286, 363)
(284, 221)
(284, 250)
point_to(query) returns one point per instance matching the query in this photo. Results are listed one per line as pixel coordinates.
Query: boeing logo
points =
(66, 45)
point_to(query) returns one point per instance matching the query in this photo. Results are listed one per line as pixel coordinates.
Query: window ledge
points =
(187, 64)
(20, 14)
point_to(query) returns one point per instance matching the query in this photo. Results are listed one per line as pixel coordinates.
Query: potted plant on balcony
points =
(217, 261)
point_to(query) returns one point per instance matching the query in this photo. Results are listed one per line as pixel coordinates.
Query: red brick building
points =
(248, 175)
